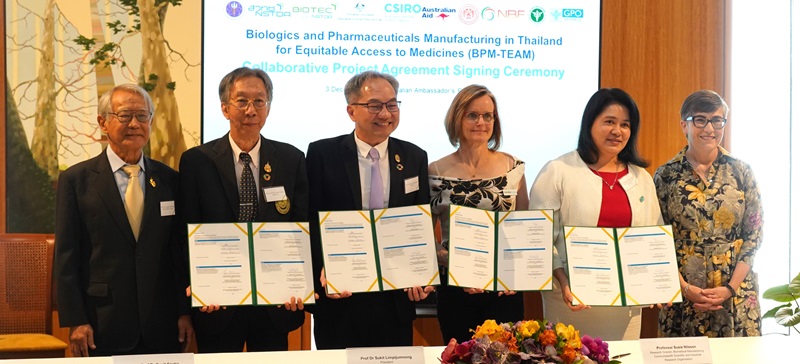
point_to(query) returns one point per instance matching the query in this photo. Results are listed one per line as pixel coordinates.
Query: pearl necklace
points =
(616, 176)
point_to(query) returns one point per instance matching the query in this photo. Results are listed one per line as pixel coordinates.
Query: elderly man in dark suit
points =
(243, 176)
(119, 266)
(365, 169)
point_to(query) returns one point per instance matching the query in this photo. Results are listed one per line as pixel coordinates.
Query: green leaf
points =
(794, 285)
(771, 313)
(779, 293)
(171, 85)
(786, 316)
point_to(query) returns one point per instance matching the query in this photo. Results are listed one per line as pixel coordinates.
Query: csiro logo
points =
(537, 14)
(234, 9)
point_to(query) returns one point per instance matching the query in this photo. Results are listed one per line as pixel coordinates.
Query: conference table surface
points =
(773, 348)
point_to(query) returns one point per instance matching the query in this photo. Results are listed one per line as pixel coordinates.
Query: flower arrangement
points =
(524, 342)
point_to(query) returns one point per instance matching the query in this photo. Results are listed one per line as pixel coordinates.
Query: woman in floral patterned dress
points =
(475, 175)
(713, 203)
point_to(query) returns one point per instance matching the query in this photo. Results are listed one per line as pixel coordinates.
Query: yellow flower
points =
(724, 259)
(703, 224)
(570, 334)
(724, 218)
(490, 328)
(696, 194)
(715, 278)
(528, 328)
(737, 246)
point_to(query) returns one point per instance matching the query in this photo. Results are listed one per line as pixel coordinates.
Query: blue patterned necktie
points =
(376, 184)
(248, 198)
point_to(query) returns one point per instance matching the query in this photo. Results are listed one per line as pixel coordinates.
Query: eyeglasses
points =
(243, 103)
(377, 107)
(701, 121)
(126, 116)
(473, 117)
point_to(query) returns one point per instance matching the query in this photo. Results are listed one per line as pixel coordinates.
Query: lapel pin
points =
(152, 182)
(641, 198)
(397, 158)
(399, 167)
(267, 177)
(267, 168)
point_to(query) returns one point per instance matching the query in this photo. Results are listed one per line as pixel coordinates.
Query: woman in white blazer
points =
(602, 183)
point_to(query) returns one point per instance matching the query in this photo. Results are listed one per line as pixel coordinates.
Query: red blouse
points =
(615, 209)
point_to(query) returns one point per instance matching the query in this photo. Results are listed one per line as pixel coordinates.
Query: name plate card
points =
(184, 358)
(386, 355)
(688, 350)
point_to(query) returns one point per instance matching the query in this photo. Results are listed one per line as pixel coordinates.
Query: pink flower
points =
(447, 354)
(595, 348)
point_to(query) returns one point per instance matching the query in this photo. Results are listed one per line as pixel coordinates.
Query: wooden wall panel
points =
(660, 51)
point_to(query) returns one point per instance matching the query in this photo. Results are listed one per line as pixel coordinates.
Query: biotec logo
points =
(490, 14)
(234, 9)
(314, 9)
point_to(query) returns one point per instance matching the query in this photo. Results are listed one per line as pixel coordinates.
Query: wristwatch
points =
(733, 291)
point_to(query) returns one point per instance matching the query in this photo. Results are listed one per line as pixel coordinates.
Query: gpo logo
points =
(572, 13)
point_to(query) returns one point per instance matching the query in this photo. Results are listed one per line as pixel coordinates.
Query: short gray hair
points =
(104, 103)
(243, 72)
(705, 101)
(352, 89)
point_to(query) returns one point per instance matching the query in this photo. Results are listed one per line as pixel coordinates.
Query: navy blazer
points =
(125, 289)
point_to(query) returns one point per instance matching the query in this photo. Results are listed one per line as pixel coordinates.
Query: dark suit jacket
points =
(335, 186)
(125, 289)
(210, 193)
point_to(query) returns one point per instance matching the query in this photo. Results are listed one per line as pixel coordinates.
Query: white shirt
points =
(239, 167)
(365, 169)
(120, 176)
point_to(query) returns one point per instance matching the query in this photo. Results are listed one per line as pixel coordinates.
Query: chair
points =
(26, 263)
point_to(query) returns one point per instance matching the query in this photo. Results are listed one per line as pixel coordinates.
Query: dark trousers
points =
(247, 324)
(362, 320)
(458, 311)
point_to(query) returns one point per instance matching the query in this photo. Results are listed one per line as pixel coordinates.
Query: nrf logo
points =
(572, 13)
(234, 9)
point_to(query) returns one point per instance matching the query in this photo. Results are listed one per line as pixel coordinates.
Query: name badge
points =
(412, 184)
(167, 208)
(272, 194)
